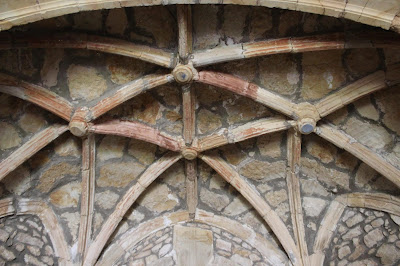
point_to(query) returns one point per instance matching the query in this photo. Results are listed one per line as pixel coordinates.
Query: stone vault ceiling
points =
(266, 136)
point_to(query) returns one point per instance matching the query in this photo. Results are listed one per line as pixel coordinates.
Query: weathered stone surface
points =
(10, 106)
(29, 240)
(214, 200)
(4, 235)
(119, 174)
(124, 69)
(373, 136)
(217, 182)
(208, 121)
(206, 36)
(264, 171)
(343, 252)
(164, 250)
(276, 197)
(135, 216)
(389, 254)
(358, 218)
(373, 237)
(243, 109)
(144, 108)
(261, 21)
(391, 56)
(54, 173)
(84, 21)
(51, 66)
(346, 160)
(388, 102)
(164, 38)
(320, 149)
(18, 181)
(224, 245)
(241, 260)
(322, 73)
(19, 63)
(31, 260)
(270, 145)
(9, 137)
(288, 22)
(68, 145)
(232, 154)
(222, 261)
(142, 151)
(111, 147)
(73, 220)
(313, 206)
(6, 254)
(234, 20)
(159, 198)
(106, 200)
(312, 188)
(279, 73)
(361, 63)
(193, 246)
(237, 206)
(331, 177)
(116, 21)
(366, 109)
(364, 175)
(32, 122)
(85, 83)
(66, 196)
(356, 231)
(338, 117)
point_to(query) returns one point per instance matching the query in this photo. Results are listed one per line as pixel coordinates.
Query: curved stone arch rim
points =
(375, 201)
(129, 239)
(50, 9)
(24, 206)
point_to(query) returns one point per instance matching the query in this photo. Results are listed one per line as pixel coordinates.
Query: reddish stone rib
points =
(37, 95)
(136, 130)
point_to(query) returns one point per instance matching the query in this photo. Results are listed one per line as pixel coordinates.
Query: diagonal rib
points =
(35, 94)
(249, 90)
(90, 42)
(137, 130)
(154, 170)
(28, 149)
(125, 92)
(243, 132)
(255, 199)
(344, 141)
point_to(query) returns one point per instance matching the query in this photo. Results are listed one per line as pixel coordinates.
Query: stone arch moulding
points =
(133, 236)
(10, 206)
(375, 201)
(378, 13)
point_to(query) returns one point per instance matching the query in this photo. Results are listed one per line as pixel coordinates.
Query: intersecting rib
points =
(126, 92)
(331, 41)
(351, 93)
(243, 132)
(37, 95)
(293, 183)
(126, 202)
(262, 207)
(90, 42)
(185, 31)
(247, 89)
(88, 190)
(136, 130)
(341, 140)
(28, 149)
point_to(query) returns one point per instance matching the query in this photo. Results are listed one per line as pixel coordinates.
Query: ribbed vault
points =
(188, 67)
